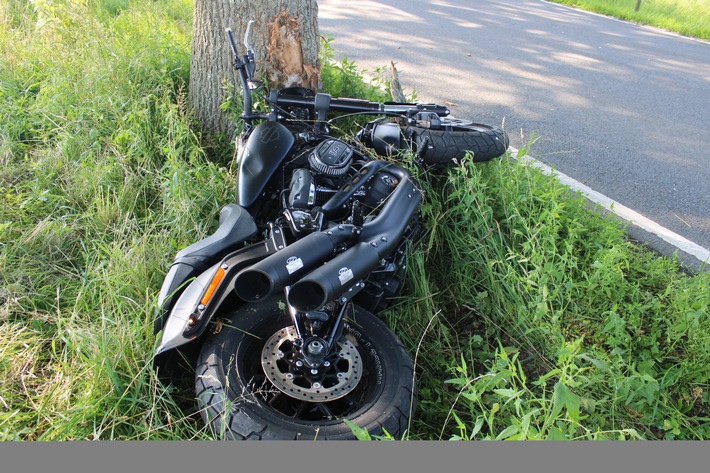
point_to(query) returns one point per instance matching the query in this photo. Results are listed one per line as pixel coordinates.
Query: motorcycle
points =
(314, 245)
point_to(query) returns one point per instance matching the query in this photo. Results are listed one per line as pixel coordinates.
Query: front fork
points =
(317, 331)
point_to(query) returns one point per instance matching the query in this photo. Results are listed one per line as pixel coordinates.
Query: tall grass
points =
(551, 324)
(102, 181)
(687, 17)
(530, 316)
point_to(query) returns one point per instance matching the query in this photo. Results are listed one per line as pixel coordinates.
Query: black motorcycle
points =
(278, 304)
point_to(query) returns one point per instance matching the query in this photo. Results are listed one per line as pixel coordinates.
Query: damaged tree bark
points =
(286, 43)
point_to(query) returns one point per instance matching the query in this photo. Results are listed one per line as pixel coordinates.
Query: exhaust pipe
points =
(334, 278)
(378, 239)
(287, 266)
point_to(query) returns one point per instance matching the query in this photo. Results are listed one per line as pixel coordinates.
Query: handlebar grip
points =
(231, 42)
(414, 108)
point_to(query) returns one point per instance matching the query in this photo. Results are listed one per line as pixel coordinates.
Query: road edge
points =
(688, 254)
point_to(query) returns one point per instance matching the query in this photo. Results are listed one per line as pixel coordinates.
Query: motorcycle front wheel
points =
(244, 374)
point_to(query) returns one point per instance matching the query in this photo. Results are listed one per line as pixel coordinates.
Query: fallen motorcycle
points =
(279, 302)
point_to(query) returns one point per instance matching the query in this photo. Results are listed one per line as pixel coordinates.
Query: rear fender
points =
(198, 303)
(235, 227)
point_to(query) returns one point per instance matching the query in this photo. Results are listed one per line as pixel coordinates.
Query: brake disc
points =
(337, 377)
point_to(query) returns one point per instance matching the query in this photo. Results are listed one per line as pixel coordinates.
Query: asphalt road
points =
(622, 108)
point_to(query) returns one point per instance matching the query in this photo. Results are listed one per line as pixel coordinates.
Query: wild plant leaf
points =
(506, 393)
(359, 432)
(477, 426)
(508, 432)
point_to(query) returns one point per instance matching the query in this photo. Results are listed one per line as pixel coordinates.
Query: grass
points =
(551, 325)
(530, 315)
(102, 180)
(687, 17)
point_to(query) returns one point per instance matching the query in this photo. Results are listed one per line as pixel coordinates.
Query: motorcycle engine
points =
(328, 163)
(330, 167)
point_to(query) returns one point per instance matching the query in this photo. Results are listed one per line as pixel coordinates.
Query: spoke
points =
(275, 398)
(325, 410)
(300, 409)
(352, 405)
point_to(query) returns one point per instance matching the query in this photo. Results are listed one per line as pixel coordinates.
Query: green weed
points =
(554, 325)
(102, 181)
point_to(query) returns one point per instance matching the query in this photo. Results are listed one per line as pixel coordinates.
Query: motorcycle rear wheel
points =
(239, 402)
(444, 146)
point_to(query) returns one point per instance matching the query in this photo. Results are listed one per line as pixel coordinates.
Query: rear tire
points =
(238, 401)
(438, 147)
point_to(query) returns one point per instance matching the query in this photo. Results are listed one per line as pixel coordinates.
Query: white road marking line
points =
(623, 212)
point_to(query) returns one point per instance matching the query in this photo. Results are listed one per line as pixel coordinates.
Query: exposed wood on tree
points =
(288, 65)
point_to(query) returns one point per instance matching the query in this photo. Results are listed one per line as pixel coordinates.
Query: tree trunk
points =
(285, 39)
(638, 5)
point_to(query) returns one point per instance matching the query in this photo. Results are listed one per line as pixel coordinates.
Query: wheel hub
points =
(338, 375)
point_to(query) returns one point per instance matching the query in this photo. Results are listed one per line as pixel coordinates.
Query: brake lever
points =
(246, 37)
(249, 58)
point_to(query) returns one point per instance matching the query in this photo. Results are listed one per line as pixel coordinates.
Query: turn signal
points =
(212, 287)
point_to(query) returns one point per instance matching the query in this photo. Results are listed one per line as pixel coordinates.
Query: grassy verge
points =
(547, 322)
(687, 17)
(529, 315)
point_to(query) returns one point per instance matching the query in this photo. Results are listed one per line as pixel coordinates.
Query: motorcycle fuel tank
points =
(265, 149)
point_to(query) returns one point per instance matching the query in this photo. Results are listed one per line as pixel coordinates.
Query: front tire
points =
(238, 401)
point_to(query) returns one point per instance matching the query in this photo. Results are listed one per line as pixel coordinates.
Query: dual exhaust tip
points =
(289, 265)
(313, 282)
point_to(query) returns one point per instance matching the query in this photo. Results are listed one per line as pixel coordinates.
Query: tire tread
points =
(444, 147)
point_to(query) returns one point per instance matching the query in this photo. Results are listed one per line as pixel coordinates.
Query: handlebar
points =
(348, 105)
(321, 104)
(245, 67)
